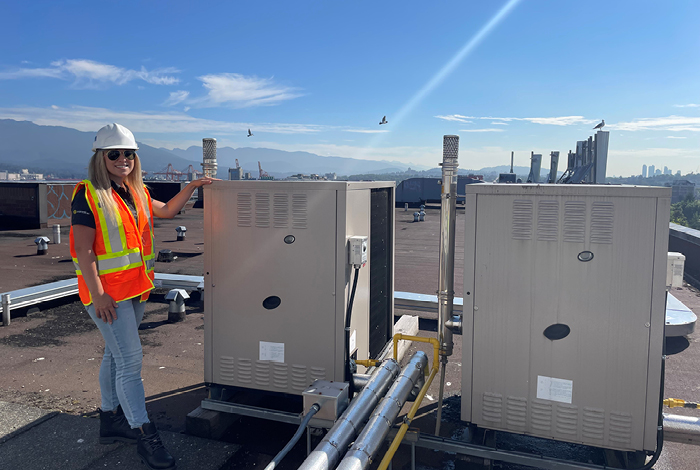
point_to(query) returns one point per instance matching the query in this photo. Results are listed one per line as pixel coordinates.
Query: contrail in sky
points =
(445, 71)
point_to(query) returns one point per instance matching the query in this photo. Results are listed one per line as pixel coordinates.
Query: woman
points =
(111, 242)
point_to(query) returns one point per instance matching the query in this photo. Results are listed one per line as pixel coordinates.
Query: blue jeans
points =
(120, 372)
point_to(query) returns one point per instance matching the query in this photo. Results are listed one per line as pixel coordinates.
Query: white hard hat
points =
(114, 136)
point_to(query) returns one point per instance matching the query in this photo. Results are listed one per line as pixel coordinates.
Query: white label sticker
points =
(158, 283)
(353, 341)
(271, 351)
(549, 388)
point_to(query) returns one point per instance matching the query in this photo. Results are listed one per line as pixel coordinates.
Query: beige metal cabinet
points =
(277, 280)
(564, 311)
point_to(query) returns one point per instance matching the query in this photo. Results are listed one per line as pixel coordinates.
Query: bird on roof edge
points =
(249, 133)
(384, 121)
(601, 125)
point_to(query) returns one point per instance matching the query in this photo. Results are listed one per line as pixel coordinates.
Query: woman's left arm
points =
(169, 209)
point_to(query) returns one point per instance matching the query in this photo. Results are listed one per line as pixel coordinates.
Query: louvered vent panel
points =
(262, 373)
(620, 431)
(602, 222)
(593, 424)
(492, 407)
(522, 220)
(575, 222)
(541, 416)
(280, 210)
(516, 412)
(245, 210)
(317, 373)
(299, 211)
(548, 221)
(300, 379)
(262, 210)
(567, 419)
(245, 371)
(280, 376)
(227, 368)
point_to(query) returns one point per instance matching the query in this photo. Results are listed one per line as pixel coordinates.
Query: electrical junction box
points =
(358, 251)
(564, 307)
(277, 280)
(332, 397)
(675, 270)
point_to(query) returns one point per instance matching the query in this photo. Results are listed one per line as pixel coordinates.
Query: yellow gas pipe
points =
(414, 409)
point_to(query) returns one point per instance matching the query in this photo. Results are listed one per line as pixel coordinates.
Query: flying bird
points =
(384, 121)
(600, 126)
(249, 133)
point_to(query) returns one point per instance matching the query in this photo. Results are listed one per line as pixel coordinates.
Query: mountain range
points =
(54, 149)
(65, 152)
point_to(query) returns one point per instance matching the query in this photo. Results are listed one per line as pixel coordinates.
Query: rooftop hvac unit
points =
(565, 289)
(278, 280)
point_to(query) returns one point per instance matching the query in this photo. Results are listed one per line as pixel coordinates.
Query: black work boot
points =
(150, 449)
(114, 427)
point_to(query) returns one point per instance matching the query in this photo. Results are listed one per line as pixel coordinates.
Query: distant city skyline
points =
(319, 77)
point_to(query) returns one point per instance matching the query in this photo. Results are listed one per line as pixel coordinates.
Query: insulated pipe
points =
(368, 443)
(683, 429)
(329, 451)
(360, 380)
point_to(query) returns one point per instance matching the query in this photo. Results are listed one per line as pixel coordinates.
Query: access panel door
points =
(273, 271)
(562, 298)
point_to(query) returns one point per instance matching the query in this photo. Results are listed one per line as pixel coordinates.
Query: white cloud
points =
(481, 130)
(690, 105)
(669, 124)
(176, 97)
(499, 123)
(90, 119)
(456, 117)
(91, 74)
(552, 121)
(675, 137)
(240, 91)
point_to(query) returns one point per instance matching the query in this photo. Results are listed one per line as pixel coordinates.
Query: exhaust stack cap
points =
(42, 245)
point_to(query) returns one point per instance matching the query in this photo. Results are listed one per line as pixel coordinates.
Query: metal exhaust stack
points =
(448, 213)
(446, 274)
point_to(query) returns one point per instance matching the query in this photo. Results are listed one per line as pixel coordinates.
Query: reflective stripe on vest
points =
(115, 262)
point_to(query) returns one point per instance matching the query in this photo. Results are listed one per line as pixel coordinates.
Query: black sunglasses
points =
(114, 154)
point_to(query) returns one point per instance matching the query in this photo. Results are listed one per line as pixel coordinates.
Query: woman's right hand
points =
(105, 307)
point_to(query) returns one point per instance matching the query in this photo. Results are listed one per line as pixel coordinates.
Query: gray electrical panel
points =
(277, 280)
(564, 304)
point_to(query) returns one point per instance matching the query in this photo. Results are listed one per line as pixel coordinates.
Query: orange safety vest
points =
(124, 248)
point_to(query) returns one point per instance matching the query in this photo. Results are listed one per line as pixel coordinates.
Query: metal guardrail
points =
(55, 290)
(422, 302)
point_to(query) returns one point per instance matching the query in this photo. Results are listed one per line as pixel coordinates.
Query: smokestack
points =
(553, 167)
(511, 161)
(535, 167)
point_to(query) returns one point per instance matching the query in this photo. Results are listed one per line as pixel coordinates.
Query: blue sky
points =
(317, 76)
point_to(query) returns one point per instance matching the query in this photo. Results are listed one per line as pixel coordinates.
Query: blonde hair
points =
(99, 177)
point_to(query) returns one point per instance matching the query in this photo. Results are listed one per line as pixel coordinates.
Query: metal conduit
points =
(366, 446)
(329, 451)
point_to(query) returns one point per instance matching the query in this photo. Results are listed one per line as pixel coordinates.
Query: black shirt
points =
(81, 214)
